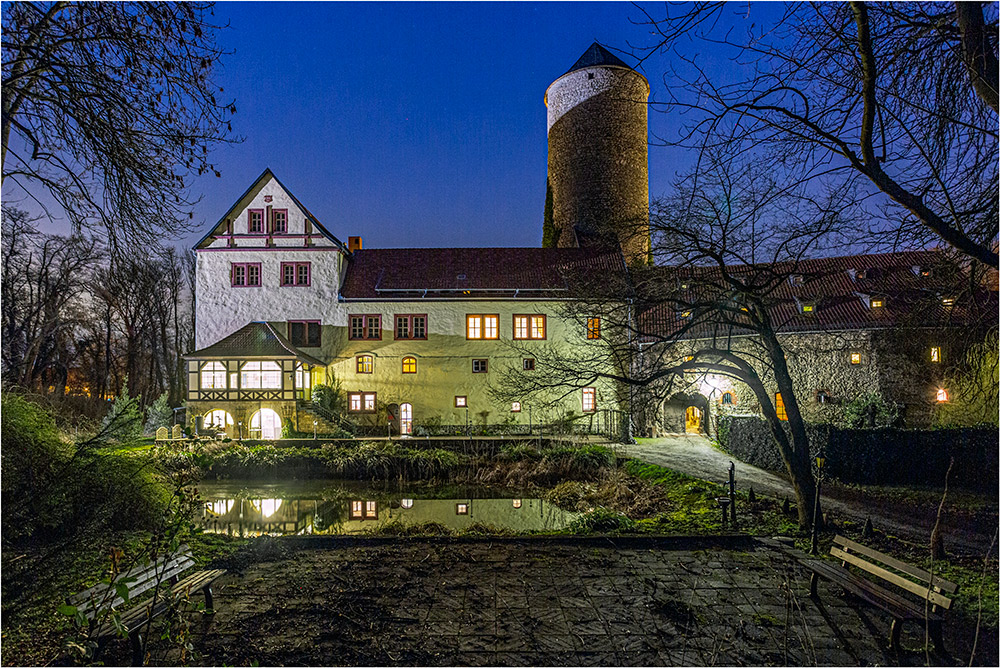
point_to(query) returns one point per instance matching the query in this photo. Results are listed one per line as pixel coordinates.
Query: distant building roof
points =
(911, 284)
(463, 273)
(596, 56)
(258, 340)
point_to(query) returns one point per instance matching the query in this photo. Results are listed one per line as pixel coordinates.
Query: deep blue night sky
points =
(414, 124)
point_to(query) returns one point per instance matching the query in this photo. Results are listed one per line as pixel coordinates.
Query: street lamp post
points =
(820, 461)
(314, 429)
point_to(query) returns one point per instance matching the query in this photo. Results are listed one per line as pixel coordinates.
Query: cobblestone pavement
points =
(629, 601)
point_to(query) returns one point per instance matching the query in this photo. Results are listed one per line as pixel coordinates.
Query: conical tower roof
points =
(596, 56)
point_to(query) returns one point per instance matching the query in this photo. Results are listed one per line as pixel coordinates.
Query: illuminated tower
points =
(598, 164)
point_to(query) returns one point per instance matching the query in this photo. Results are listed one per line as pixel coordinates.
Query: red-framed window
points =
(296, 274)
(411, 327)
(529, 326)
(365, 327)
(255, 221)
(306, 333)
(279, 221)
(366, 363)
(589, 399)
(361, 402)
(482, 326)
(244, 274)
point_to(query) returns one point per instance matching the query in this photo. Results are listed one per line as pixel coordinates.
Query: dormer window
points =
(876, 302)
(947, 301)
(796, 279)
(686, 315)
(867, 273)
(809, 307)
(923, 272)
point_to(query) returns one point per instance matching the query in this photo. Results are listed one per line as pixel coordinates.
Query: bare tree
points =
(108, 110)
(897, 101)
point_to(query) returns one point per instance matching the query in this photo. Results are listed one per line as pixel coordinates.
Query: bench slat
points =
(920, 590)
(882, 598)
(139, 573)
(936, 580)
(91, 607)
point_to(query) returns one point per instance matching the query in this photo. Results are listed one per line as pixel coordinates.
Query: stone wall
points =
(878, 456)
(598, 163)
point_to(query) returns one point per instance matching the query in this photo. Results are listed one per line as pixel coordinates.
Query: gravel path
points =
(695, 456)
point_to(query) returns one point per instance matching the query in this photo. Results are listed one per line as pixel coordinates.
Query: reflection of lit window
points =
(855, 358)
(219, 507)
(517, 503)
(406, 503)
(515, 407)
(269, 507)
(942, 394)
(461, 509)
(935, 353)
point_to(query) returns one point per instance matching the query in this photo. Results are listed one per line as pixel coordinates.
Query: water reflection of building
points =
(254, 517)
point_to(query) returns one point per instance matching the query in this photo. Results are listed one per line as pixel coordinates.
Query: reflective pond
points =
(250, 508)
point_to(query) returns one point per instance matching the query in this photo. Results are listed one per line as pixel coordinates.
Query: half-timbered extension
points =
(248, 383)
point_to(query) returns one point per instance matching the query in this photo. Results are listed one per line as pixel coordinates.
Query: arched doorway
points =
(218, 420)
(405, 419)
(692, 420)
(265, 424)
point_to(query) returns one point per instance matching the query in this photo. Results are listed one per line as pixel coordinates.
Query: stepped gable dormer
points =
(268, 215)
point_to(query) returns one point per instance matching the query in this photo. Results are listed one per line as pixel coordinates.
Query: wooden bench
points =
(929, 588)
(100, 599)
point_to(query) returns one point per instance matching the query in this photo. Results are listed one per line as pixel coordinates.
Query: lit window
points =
(935, 353)
(779, 406)
(482, 326)
(855, 358)
(593, 328)
(877, 302)
(279, 220)
(366, 363)
(461, 402)
(942, 395)
(461, 509)
(357, 510)
(304, 333)
(516, 503)
(589, 399)
(255, 221)
(406, 503)
(528, 364)
(727, 398)
(685, 314)
(295, 274)
(366, 327)
(409, 365)
(245, 274)
(410, 327)
(213, 376)
(809, 307)
(515, 407)
(371, 510)
(260, 376)
(361, 402)
(529, 326)
(480, 366)
(218, 419)
(948, 301)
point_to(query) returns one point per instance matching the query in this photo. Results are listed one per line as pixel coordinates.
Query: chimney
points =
(353, 244)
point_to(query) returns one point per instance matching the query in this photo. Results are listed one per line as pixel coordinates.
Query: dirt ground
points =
(542, 601)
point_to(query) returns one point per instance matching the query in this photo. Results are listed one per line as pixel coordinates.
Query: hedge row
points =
(877, 456)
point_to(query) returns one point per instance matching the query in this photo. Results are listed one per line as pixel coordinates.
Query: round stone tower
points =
(598, 161)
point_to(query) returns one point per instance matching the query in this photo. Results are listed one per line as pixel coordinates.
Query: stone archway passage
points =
(265, 424)
(692, 420)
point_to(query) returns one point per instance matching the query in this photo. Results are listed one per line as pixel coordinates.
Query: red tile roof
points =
(456, 273)
(839, 289)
